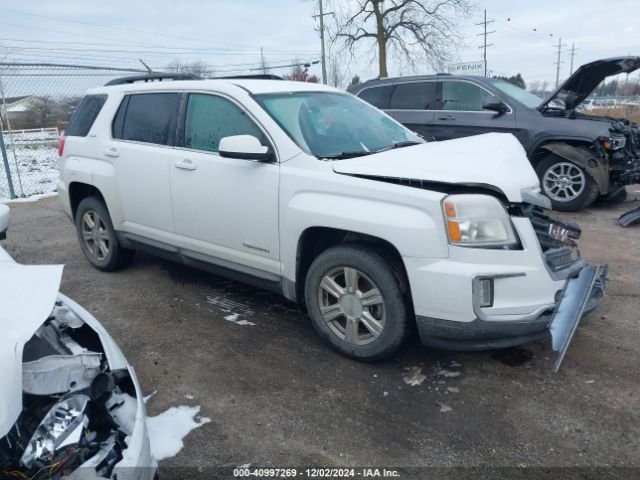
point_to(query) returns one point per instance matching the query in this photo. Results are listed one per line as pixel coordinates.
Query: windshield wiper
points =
(343, 155)
(405, 143)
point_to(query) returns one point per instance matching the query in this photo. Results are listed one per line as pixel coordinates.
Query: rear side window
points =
(148, 117)
(84, 116)
(414, 96)
(377, 96)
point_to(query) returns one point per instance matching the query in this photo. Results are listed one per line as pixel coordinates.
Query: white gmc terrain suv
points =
(310, 192)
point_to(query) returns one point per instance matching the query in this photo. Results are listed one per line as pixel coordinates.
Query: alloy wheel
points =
(564, 182)
(352, 305)
(95, 235)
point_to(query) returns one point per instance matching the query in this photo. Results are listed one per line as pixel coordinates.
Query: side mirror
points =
(557, 104)
(244, 147)
(5, 216)
(495, 104)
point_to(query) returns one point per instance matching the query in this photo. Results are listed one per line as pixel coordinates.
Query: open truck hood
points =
(27, 295)
(586, 78)
(495, 161)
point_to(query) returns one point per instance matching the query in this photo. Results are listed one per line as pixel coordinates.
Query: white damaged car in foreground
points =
(70, 404)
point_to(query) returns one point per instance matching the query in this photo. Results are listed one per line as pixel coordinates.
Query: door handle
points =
(111, 152)
(185, 164)
(448, 117)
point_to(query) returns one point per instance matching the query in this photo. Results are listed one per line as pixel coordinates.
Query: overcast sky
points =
(228, 34)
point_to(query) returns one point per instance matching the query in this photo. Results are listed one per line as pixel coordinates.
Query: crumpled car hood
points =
(492, 160)
(27, 296)
(586, 78)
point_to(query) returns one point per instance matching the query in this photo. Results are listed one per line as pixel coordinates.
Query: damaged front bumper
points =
(516, 296)
(581, 296)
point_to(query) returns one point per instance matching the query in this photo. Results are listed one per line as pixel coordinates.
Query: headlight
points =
(615, 142)
(62, 425)
(478, 221)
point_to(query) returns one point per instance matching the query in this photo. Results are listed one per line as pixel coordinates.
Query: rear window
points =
(147, 117)
(414, 96)
(84, 116)
(377, 96)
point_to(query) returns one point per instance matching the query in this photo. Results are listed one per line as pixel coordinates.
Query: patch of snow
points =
(444, 408)
(33, 166)
(453, 389)
(244, 322)
(448, 373)
(167, 430)
(590, 381)
(413, 376)
(188, 396)
(32, 198)
(232, 318)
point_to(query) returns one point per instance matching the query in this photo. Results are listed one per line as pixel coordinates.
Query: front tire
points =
(98, 238)
(568, 186)
(356, 303)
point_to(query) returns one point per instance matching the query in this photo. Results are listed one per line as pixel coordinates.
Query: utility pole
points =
(321, 16)
(573, 54)
(485, 45)
(263, 64)
(559, 62)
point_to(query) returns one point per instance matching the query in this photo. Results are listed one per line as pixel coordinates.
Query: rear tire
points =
(356, 303)
(569, 187)
(98, 238)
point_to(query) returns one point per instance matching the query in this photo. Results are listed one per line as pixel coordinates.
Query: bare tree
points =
(43, 112)
(413, 28)
(197, 67)
(336, 73)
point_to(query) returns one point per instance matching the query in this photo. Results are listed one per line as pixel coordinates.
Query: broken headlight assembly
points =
(479, 221)
(614, 142)
(76, 412)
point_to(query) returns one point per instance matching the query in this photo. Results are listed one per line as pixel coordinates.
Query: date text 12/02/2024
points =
(316, 473)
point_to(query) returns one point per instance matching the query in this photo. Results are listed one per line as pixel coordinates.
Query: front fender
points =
(590, 161)
(414, 232)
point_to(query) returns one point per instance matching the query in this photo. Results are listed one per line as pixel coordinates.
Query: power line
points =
(484, 45)
(194, 49)
(146, 32)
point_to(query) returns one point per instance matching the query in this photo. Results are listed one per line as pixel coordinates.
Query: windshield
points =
(335, 125)
(519, 94)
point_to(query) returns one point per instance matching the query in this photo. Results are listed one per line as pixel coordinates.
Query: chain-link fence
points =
(36, 101)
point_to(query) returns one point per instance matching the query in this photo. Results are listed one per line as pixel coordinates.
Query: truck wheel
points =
(356, 304)
(568, 186)
(98, 238)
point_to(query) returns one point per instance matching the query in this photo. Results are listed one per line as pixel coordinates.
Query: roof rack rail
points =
(151, 77)
(251, 76)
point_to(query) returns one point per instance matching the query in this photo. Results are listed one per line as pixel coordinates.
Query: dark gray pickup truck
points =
(577, 157)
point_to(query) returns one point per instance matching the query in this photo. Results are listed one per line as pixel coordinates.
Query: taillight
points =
(61, 141)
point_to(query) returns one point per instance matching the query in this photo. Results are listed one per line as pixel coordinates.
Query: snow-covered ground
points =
(34, 169)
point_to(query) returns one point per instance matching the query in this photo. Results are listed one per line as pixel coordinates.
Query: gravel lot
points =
(278, 397)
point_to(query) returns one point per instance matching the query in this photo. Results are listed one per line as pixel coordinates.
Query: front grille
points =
(561, 255)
